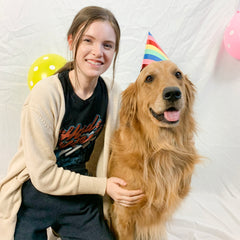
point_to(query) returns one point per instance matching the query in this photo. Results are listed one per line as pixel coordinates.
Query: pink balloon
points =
(232, 36)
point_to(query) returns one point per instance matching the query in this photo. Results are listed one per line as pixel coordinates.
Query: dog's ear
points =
(190, 91)
(128, 105)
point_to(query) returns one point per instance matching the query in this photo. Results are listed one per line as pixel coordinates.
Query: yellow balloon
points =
(43, 67)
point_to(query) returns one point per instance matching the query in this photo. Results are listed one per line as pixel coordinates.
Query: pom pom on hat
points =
(153, 52)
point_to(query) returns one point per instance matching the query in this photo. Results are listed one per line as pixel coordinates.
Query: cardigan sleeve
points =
(38, 135)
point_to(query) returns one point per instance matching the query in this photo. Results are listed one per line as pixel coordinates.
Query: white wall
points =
(191, 33)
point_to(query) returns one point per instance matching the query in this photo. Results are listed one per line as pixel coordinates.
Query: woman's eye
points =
(87, 40)
(149, 79)
(178, 75)
(108, 46)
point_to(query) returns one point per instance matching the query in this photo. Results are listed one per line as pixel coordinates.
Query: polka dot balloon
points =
(43, 67)
(232, 36)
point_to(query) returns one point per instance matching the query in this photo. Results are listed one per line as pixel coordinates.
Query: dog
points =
(153, 150)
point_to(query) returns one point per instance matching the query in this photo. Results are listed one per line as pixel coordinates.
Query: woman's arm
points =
(40, 119)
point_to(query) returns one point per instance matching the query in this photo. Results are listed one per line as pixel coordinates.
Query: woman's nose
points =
(97, 50)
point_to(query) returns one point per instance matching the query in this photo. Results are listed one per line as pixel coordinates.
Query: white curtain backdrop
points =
(191, 33)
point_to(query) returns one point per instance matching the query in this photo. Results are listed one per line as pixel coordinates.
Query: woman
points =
(48, 184)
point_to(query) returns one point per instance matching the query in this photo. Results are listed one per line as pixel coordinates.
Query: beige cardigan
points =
(41, 119)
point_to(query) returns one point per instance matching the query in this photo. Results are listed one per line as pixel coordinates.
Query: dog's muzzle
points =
(172, 114)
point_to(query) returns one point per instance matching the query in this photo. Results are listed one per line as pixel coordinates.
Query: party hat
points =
(153, 52)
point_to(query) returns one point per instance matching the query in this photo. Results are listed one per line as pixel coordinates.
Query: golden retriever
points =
(153, 150)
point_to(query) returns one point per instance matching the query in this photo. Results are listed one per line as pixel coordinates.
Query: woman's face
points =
(96, 50)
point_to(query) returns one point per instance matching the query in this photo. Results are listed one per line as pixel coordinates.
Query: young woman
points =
(48, 184)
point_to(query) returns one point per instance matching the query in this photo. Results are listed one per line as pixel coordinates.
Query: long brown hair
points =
(81, 22)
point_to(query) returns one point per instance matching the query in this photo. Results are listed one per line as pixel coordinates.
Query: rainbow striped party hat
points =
(153, 52)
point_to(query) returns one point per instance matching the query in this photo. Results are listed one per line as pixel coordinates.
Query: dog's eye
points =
(149, 79)
(178, 75)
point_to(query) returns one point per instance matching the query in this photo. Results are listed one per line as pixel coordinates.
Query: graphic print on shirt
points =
(75, 143)
(81, 124)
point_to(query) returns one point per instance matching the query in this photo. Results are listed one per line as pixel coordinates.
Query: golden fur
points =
(152, 153)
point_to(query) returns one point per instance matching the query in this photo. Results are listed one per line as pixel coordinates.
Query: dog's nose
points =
(172, 94)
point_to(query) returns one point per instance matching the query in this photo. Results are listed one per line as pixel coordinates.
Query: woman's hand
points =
(124, 197)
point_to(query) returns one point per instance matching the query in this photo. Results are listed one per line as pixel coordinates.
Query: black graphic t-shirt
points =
(81, 125)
